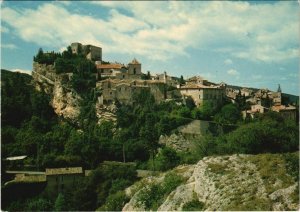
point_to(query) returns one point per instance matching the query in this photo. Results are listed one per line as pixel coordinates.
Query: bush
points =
(115, 202)
(152, 196)
(166, 159)
(194, 205)
(292, 164)
(229, 114)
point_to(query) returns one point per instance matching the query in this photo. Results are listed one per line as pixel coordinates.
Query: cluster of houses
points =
(262, 101)
(120, 82)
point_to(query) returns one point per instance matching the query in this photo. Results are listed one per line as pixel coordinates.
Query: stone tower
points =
(134, 67)
(279, 89)
(277, 100)
(91, 52)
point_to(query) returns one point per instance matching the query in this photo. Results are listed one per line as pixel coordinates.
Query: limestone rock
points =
(227, 183)
(177, 142)
(64, 100)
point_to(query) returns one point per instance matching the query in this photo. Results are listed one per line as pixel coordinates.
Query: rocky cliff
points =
(63, 99)
(237, 182)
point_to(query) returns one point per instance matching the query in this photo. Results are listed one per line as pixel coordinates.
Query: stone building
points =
(91, 52)
(124, 90)
(201, 90)
(119, 71)
(255, 109)
(134, 67)
(59, 179)
(110, 70)
(169, 80)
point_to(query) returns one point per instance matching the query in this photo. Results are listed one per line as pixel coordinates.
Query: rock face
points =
(106, 112)
(177, 142)
(183, 140)
(236, 182)
(64, 100)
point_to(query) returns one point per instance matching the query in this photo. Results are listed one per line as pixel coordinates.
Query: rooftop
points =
(67, 170)
(198, 86)
(110, 66)
(17, 157)
(282, 107)
(134, 61)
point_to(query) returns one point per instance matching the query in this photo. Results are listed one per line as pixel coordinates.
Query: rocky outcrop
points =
(182, 141)
(65, 101)
(177, 142)
(106, 112)
(237, 182)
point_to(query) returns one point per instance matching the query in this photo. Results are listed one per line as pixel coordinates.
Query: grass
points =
(272, 167)
(218, 168)
(194, 204)
(153, 195)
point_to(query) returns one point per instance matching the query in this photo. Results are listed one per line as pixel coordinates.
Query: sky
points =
(250, 44)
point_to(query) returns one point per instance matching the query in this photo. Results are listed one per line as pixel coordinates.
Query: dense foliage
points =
(101, 189)
(153, 195)
(30, 127)
(270, 133)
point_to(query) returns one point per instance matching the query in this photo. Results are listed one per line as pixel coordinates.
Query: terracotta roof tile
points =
(110, 66)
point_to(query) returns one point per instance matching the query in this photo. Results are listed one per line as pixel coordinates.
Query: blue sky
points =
(252, 44)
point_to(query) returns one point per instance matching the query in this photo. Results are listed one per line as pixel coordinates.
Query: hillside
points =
(236, 182)
(54, 122)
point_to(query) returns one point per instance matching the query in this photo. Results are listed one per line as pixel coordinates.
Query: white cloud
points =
(8, 46)
(22, 71)
(228, 61)
(162, 30)
(233, 72)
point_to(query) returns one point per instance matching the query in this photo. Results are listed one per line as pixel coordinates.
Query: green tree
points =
(229, 114)
(207, 109)
(60, 203)
(39, 204)
(166, 159)
(181, 80)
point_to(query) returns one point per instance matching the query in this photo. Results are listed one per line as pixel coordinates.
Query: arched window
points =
(134, 70)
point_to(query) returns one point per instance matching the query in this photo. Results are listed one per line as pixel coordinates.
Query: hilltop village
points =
(119, 82)
(97, 135)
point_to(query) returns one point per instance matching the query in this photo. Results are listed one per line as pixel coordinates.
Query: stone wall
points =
(199, 95)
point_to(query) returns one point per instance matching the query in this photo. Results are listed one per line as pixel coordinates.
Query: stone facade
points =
(125, 90)
(119, 71)
(202, 93)
(60, 179)
(93, 53)
(134, 67)
(110, 70)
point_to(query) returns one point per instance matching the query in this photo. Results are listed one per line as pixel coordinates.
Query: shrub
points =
(114, 202)
(167, 158)
(194, 205)
(152, 196)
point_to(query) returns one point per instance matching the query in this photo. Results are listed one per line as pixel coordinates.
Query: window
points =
(199, 96)
(123, 76)
(134, 71)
